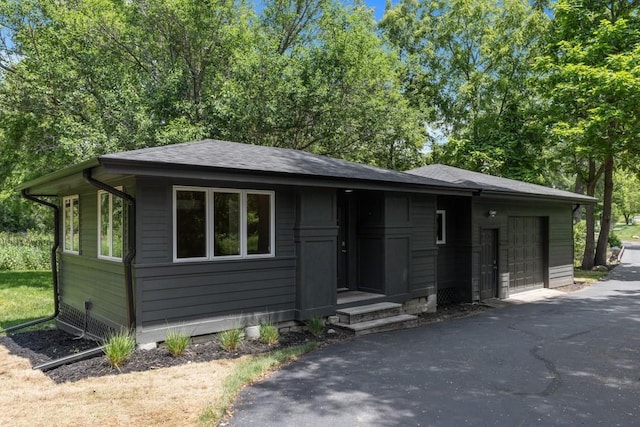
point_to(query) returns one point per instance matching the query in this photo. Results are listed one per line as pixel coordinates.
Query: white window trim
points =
(241, 219)
(68, 228)
(110, 231)
(444, 227)
(209, 219)
(272, 225)
(210, 191)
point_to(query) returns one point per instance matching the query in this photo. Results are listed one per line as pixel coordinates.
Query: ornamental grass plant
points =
(119, 346)
(269, 334)
(315, 326)
(177, 342)
(229, 340)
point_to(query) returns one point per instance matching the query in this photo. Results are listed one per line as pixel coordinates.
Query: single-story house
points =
(211, 235)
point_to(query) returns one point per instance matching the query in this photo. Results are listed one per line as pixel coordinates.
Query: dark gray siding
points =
(371, 242)
(424, 252)
(316, 234)
(557, 232)
(454, 256)
(100, 282)
(84, 277)
(206, 297)
(397, 243)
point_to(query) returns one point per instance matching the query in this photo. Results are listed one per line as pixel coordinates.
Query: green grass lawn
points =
(584, 276)
(24, 296)
(626, 232)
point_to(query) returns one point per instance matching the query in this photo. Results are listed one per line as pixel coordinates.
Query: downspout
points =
(54, 262)
(131, 244)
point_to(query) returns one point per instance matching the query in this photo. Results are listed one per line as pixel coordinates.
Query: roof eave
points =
(59, 174)
(580, 199)
(137, 167)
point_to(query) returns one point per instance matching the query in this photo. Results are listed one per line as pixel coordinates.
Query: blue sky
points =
(378, 6)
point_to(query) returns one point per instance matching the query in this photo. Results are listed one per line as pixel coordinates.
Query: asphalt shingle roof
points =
(255, 158)
(492, 183)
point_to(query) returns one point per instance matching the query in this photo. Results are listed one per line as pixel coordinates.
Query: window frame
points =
(109, 257)
(210, 221)
(69, 227)
(441, 240)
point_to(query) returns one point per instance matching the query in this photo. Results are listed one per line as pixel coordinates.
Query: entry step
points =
(365, 313)
(391, 323)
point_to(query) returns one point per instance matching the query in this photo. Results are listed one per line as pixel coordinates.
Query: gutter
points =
(413, 183)
(573, 212)
(131, 240)
(578, 199)
(54, 262)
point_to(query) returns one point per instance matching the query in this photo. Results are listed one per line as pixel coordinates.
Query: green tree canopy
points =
(82, 78)
(468, 69)
(593, 84)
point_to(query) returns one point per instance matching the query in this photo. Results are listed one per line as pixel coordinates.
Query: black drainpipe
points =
(54, 262)
(131, 244)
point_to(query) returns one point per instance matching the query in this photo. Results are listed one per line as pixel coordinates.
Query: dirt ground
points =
(166, 396)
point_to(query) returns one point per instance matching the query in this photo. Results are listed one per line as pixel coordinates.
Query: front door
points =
(488, 264)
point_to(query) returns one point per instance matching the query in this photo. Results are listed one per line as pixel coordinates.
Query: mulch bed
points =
(44, 345)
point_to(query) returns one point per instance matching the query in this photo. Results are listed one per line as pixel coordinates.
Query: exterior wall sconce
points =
(492, 214)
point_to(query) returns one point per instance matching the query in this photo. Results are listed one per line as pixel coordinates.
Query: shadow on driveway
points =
(570, 360)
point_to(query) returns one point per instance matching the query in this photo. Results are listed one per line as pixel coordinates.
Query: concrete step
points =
(365, 313)
(400, 321)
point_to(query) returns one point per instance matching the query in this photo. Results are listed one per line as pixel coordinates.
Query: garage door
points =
(526, 254)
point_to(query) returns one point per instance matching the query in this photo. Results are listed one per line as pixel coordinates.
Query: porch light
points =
(348, 191)
(492, 214)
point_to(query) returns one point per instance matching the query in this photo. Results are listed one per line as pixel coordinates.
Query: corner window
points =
(258, 224)
(110, 226)
(71, 224)
(214, 224)
(441, 227)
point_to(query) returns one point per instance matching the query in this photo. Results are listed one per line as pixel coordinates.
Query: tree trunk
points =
(589, 246)
(605, 222)
(579, 188)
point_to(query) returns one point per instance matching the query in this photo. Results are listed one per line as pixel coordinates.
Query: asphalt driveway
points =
(570, 360)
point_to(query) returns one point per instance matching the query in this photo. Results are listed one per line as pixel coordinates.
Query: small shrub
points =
(177, 342)
(614, 241)
(315, 326)
(269, 334)
(25, 251)
(230, 339)
(119, 346)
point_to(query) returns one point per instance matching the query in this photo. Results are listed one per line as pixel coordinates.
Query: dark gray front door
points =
(488, 264)
(344, 244)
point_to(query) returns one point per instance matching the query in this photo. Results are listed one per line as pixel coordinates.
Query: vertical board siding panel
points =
(423, 249)
(316, 240)
(155, 222)
(397, 244)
